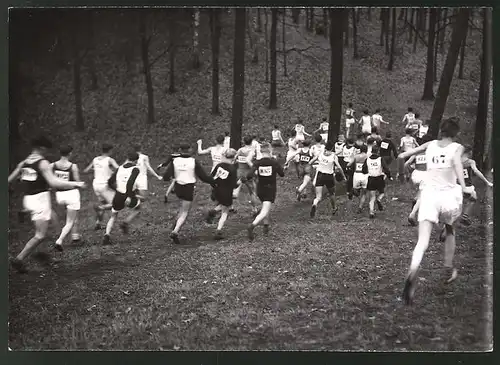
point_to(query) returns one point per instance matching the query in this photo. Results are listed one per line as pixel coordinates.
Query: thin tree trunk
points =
(472, 13)
(484, 92)
(354, 35)
(77, 87)
(266, 37)
(238, 77)
(410, 33)
(442, 34)
(196, 51)
(216, 30)
(417, 30)
(307, 18)
(90, 56)
(387, 29)
(147, 69)
(251, 28)
(311, 22)
(345, 21)
(458, 34)
(423, 26)
(171, 54)
(436, 46)
(462, 59)
(401, 14)
(358, 15)
(295, 15)
(259, 21)
(405, 21)
(393, 40)
(369, 13)
(337, 16)
(382, 26)
(325, 22)
(429, 69)
(273, 102)
(14, 78)
(283, 40)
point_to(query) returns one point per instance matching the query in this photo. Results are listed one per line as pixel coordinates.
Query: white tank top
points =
(227, 142)
(326, 164)
(216, 154)
(376, 118)
(243, 153)
(299, 129)
(410, 117)
(102, 170)
(276, 135)
(366, 120)
(184, 170)
(422, 131)
(374, 166)
(292, 146)
(256, 147)
(324, 126)
(348, 153)
(141, 164)
(122, 176)
(440, 171)
(408, 143)
(339, 149)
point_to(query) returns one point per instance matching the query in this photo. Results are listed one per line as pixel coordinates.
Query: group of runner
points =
(441, 169)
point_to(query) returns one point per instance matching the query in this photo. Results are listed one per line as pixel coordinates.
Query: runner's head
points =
(417, 115)
(467, 153)
(318, 138)
(329, 146)
(229, 155)
(349, 142)
(266, 149)
(360, 138)
(262, 140)
(349, 105)
(306, 143)
(325, 119)
(226, 134)
(220, 139)
(41, 144)
(132, 156)
(137, 148)
(388, 135)
(106, 148)
(65, 151)
(364, 148)
(366, 112)
(375, 149)
(341, 138)
(449, 128)
(408, 131)
(247, 140)
(276, 127)
(377, 111)
(370, 141)
(184, 148)
(410, 110)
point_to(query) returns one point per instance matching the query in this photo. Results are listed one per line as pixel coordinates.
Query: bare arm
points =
(89, 167)
(113, 163)
(337, 164)
(15, 173)
(459, 171)
(76, 172)
(201, 151)
(292, 157)
(410, 160)
(150, 169)
(414, 151)
(54, 182)
(476, 171)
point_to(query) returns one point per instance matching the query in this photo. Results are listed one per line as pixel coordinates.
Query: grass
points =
(323, 284)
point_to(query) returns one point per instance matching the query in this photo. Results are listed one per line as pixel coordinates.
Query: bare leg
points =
(183, 213)
(306, 181)
(71, 217)
(223, 216)
(372, 202)
(111, 223)
(40, 233)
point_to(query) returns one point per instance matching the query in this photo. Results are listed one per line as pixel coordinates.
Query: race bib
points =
(221, 174)
(414, 126)
(265, 170)
(359, 167)
(29, 174)
(216, 157)
(420, 159)
(438, 161)
(384, 145)
(63, 175)
(242, 159)
(305, 158)
(181, 166)
(466, 174)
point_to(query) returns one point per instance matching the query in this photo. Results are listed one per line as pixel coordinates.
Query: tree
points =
(484, 91)
(284, 43)
(259, 21)
(462, 59)
(410, 33)
(325, 22)
(457, 36)
(337, 21)
(273, 102)
(173, 48)
(77, 83)
(387, 15)
(418, 23)
(90, 59)
(295, 15)
(382, 26)
(429, 69)
(345, 20)
(215, 40)
(146, 69)
(393, 40)
(252, 38)
(442, 34)
(196, 27)
(266, 37)
(238, 77)
(354, 35)
(15, 30)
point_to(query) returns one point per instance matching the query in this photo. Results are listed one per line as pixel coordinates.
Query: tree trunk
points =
(325, 22)
(369, 14)
(401, 13)
(436, 48)
(405, 17)
(171, 54)
(423, 26)
(458, 34)
(442, 34)
(354, 35)
(345, 21)
(252, 26)
(358, 15)
(337, 19)
(472, 13)
(147, 69)
(215, 38)
(429, 69)
(14, 78)
(196, 28)
(285, 72)
(382, 26)
(307, 18)
(273, 102)
(484, 91)
(90, 56)
(259, 21)
(410, 33)
(77, 86)
(462, 59)
(238, 77)
(311, 22)
(417, 29)
(266, 37)
(295, 15)
(393, 40)
(387, 29)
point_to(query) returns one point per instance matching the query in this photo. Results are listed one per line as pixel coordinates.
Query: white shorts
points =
(359, 180)
(142, 182)
(301, 137)
(366, 129)
(349, 123)
(417, 177)
(103, 192)
(324, 136)
(38, 205)
(444, 206)
(289, 154)
(69, 198)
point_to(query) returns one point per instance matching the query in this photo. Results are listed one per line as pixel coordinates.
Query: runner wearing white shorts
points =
(359, 179)
(144, 167)
(440, 199)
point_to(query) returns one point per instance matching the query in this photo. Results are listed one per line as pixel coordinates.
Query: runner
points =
(36, 179)
(215, 151)
(376, 136)
(67, 171)
(277, 140)
(300, 132)
(227, 140)
(377, 172)
(408, 142)
(144, 168)
(370, 143)
(125, 182)
(165, 164)
(184, 169)
(305, 156)
(408, 117)
(243, 158)
(377, 119)
(359, 179)
(327, 161)
(323, 130)
(366, 123)
(266, 170)
(339, 146)
(440, 199)
(414, 124)
(388, 150)
(348, 153)
(293, 146)
(422, 131)
(360, 140)
(349, 120)
(225, 176)
(103, 166)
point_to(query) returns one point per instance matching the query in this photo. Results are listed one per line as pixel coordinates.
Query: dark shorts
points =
(243, 173)
(266, 193)
(326, 180)
(184, 192)
(376, 184)
(387, 160)
(276, 144)
(119, 202)
(223, 196)
(305, 169)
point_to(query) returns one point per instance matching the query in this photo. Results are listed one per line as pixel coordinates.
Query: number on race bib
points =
(420, 159)
(265, 170)
(242, 159)
(384, 145)
(221, 174)
(29, 174)
(63, 175)
(305, 158)
(359, 167)
(439, 160)
(466, 174)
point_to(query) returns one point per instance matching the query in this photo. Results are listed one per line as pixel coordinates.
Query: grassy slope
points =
(323, 284)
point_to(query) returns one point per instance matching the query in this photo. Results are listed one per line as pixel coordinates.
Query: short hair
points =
(262, 139)
(388, 134)
(41, 141)
(408, 131)
(106, 147)
(341, 135)
(359, 136)
(325, 119)
(377, 110)
(349, 105)
(329, 146)
(226, 134)
(247, 140)
(366, 111)
(220, 139)
(375, 149)
(426, 138)
(132, 156)
(349, 141)
(417, 115)
(449, 128)
(410, 109)
(375, 130)
(276, 127)
(370, 140)
(363, 148)
(318, 138)
(184, 147)
(65, 150)
(467, 149)
(265, 147)
(306, 143)
(230, 153)
(137, 147)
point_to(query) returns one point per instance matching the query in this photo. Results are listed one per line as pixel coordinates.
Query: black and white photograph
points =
(250, 179)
